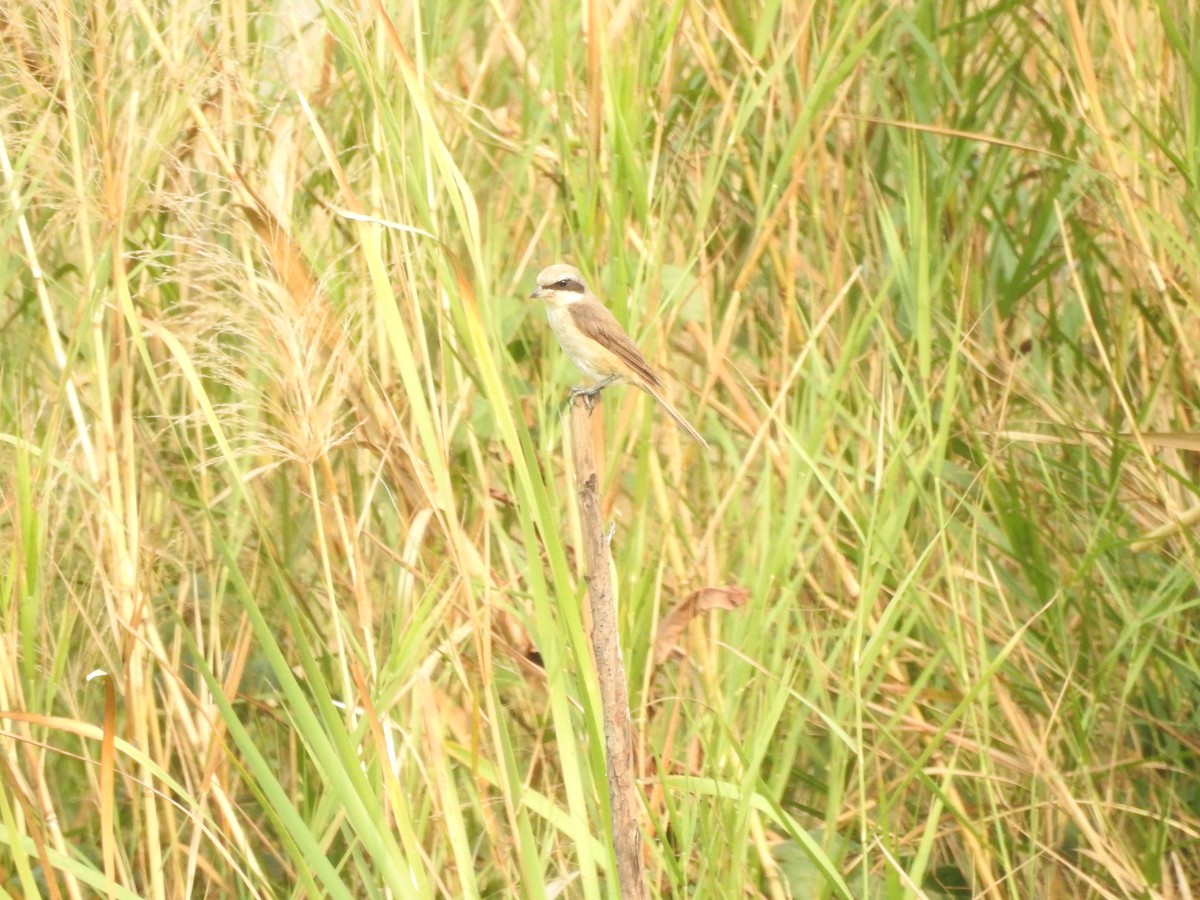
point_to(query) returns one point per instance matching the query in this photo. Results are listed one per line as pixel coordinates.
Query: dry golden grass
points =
(281, 447)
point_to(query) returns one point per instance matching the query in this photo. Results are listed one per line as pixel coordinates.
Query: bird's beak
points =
(538, 293)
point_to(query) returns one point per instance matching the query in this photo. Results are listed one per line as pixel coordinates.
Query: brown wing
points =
(594, 320)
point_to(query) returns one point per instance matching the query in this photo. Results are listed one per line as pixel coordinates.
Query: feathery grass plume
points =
(281, 447)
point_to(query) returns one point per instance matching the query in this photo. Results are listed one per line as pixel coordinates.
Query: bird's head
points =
(559, 285)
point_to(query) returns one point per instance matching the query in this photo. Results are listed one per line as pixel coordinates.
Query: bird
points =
(595, 342)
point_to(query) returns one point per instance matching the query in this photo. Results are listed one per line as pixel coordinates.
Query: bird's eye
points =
(562, 285)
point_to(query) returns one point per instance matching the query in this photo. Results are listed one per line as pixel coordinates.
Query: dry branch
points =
(610, 668)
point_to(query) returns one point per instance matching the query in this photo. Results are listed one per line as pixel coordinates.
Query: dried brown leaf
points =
(703, 600)
(290, 265)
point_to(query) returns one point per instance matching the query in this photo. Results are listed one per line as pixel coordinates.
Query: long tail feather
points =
(679, 420)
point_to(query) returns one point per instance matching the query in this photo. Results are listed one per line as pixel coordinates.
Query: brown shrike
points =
(594, 340)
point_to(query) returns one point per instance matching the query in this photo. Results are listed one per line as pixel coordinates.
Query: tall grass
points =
(282, 447)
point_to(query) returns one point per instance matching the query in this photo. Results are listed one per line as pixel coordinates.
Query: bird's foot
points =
(590, 395)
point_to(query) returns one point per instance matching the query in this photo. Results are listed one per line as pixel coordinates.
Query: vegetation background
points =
(281, 446)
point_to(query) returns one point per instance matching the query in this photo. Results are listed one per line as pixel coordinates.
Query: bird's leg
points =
(589, 394)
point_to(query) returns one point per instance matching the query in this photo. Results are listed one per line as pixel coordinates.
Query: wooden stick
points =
(623, 793)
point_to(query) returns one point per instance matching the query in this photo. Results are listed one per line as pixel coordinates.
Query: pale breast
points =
(587, 355)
